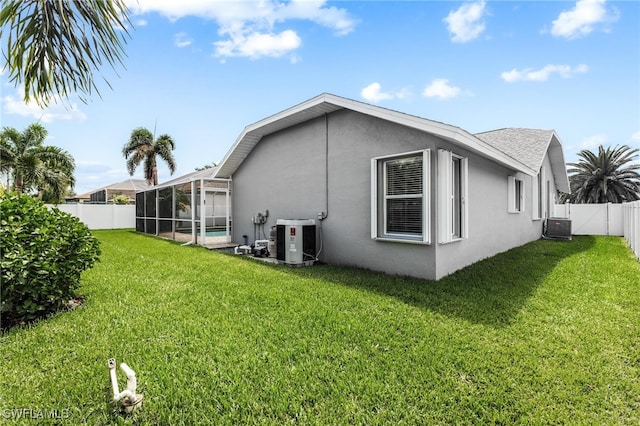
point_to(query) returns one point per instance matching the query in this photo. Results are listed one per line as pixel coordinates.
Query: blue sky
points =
(201, 71)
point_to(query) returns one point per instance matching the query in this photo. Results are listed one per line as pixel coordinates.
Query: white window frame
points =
(446, 201)
(551, 197)
(516, 198)
(537, 195)
(378, 204)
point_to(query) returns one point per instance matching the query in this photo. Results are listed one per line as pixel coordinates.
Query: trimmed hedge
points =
(43, 255)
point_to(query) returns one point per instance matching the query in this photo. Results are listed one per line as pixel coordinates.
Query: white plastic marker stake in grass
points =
(128, 396)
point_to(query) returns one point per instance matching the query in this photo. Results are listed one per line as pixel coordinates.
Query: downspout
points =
(323, 215)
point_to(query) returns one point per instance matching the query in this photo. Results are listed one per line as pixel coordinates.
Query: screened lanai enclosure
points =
(191, 209)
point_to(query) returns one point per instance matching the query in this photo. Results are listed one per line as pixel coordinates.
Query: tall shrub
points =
(43, 255)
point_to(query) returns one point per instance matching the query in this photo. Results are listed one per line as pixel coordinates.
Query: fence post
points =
(631, 225)
(79, 212)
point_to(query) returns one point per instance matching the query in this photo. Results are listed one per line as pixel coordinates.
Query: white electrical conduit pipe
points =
(130, 392)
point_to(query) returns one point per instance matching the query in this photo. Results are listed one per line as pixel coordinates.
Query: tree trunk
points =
(18, 183)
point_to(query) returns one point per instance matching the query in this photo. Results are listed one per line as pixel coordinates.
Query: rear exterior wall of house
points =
(324, 165)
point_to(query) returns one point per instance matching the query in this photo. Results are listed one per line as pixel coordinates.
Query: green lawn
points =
(548, 333)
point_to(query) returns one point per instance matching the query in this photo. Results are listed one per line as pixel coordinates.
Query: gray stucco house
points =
(387, 191)
(393, 192)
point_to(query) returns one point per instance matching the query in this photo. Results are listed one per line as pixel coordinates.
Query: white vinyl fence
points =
(592, 219)
(102, 216)
(632, 225)
(604, 219)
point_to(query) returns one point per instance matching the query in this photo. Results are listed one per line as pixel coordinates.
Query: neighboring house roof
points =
(529, 146)
(134, 185)
(327, 103)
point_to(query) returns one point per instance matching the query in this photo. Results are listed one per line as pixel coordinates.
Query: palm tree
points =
(207, 166)
(53, 47)
(610, 176)
(31, 165)
(143, 148)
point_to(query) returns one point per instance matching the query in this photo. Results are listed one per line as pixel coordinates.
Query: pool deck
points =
(221, 246)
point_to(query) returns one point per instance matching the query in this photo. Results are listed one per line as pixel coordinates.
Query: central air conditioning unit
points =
(557, 228)
(296, 241)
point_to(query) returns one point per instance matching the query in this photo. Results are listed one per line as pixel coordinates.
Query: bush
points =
(43, 255)
(119, 199)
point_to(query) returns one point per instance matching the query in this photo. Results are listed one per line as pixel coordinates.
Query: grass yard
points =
(548, 333)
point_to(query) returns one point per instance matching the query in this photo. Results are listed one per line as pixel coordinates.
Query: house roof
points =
(530, 146)
(135, 185)
(327, 103)
(189, 177)
(521, 150)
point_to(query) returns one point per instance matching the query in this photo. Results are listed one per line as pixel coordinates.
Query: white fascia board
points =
(252, 134)
(558, 166)
(312, 108)
(451, 133)
(556, 157)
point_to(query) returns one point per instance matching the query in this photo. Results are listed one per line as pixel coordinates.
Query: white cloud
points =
(374, 93)
(440, 88)
(257, 45)
(141, 23)
(248, 28)
(583, 18)
(182, 40)
(56, 111)
(543, 74)
(465, 23)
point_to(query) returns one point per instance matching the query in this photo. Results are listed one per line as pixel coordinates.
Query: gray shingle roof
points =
(326, 103)
(529, 146)
(136, 185)
(522, 150)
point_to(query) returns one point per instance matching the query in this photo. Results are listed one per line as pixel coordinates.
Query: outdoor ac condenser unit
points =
(557, 228)
(296, 241)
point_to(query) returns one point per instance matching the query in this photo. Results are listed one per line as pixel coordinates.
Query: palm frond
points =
(142, 148)
(608, 176)
(164, 146)
(54, 47)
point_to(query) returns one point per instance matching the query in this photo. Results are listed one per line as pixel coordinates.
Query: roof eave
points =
(558, 165)
(326, 103)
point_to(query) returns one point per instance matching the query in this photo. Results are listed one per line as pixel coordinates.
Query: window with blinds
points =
(400, 197)
(403, 195)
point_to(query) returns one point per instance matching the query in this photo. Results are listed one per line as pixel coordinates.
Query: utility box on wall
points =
(296, 241)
